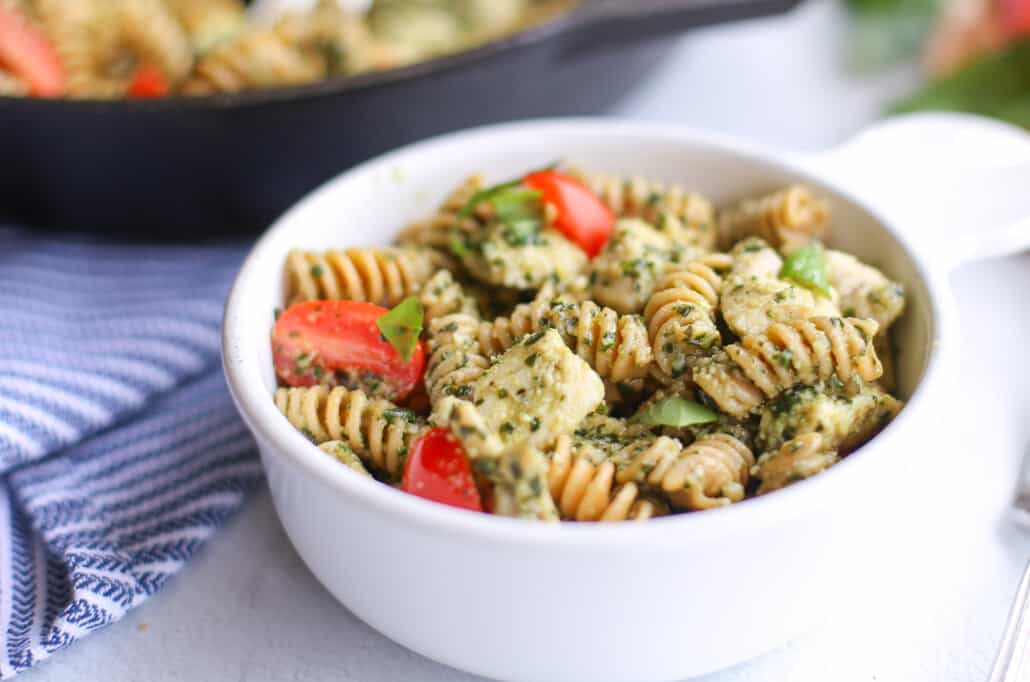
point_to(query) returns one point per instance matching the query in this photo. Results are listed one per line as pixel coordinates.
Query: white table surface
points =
(247, 609)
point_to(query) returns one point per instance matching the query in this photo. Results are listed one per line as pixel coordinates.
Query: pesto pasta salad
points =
(570, 345)
(107, 49)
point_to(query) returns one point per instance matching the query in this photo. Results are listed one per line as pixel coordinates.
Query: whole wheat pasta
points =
(797, 459)
(710, 472)
(785, 219)
(455, 357)
(638, 383)
(254, 58)
(656, 202)
(102, 44)
(443, 295)
(582, 484)
(681, 314)
(762, 366)
(436, 231)
(208, 22)
(379, 431)
(381, 275)
(205, 47)
(616, 346)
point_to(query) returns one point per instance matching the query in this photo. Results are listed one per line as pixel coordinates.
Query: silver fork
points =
(1011, 663)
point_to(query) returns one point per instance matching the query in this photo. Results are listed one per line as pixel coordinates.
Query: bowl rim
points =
(283, 441)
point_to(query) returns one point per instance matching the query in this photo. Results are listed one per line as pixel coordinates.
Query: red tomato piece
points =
(148, 82)
(29, 55)
(1015, 16)
(438, 470)
(582, 216)
(338, 343)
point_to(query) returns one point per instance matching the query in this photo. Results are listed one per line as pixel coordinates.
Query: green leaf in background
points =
(676, 412)
(996, 84)
(806, 267)
(885, 32)
(402, 326)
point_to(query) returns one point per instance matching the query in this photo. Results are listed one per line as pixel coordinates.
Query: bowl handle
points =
(958, 185)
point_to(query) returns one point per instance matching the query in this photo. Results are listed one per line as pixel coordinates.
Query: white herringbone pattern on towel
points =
(120, 449)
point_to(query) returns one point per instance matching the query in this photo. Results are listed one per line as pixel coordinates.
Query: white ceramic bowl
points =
(662, 600)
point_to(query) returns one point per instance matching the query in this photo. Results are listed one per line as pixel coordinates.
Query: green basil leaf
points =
(486, 195)
(491, 193)
(806, 267)
(458, 247)
(675, 411)
(512, 204)
(402, 326)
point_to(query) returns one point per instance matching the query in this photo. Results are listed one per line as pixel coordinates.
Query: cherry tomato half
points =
(148, 82)
(338, 343)
(438, 470)
(1015, 17)
(29, 55)
(582, 216)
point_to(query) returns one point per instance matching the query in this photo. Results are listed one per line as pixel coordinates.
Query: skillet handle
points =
(956, 184)
(612, 21)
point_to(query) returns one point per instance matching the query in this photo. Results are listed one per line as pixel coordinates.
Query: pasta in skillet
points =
(109, 49)
(576, 359)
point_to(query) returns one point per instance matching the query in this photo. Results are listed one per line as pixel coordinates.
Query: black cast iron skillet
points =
(195, 167)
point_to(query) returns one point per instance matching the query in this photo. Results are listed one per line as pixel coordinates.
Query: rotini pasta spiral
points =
(381, 275)
(680, 315)
(208, 22)
(377, 429)
(441, 295)
(255, 58)
(580, 480)
(582, 485)
(344, 454)
(710, 472)
(102, 44)
(656, 202)
(455, 357)
(339, 39)
(615, 346)
(785, 219)
(800, 352)
(798, 459)
(526, 318)
(436, 232)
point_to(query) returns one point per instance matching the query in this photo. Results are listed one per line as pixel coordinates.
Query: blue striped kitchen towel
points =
(120, 449)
